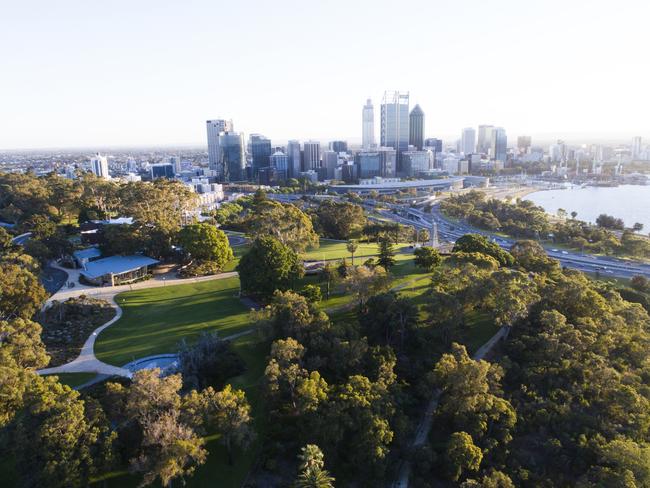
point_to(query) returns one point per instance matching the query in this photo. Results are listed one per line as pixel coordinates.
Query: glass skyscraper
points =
(395, 121)
(260, 152)
(231, 156)
(416, 128)
(499, 144)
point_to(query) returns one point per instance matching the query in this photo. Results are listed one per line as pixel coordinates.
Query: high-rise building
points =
(339, 146)
(415, 162)
(416, 127)
(99, 166)
(280, 162)
(214, 128)
(468, 141)
(311, 155)
(484, 138)
(636, 147)
(231, 160)
(523, 144)
(162, 170)
(175, 161)
(376, 162)
(260, 152)
(395, 121)
(499, 144)
(330, 163)
(368, 125)
(294, 156)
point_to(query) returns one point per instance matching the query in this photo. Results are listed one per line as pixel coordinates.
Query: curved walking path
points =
(87, 362)
(422, 432)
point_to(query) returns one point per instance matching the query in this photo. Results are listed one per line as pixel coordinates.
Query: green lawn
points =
(330, 249)
(74, 379)
(156, 319)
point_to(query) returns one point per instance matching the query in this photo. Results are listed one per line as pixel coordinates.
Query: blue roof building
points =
(117, 270)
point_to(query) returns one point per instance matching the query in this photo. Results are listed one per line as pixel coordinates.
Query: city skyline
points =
(144, 74)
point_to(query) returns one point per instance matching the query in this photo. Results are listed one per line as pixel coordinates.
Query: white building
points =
(214, 128)
(468, 141)
(368, 125)
(636, 147)
(99, 166)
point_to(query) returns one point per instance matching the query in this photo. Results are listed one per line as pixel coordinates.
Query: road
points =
(451, 231)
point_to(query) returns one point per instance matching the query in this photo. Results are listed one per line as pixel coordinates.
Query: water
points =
(628, 202)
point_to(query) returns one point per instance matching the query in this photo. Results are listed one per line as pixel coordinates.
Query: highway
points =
(450, 231)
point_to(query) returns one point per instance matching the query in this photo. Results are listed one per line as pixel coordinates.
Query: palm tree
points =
(312, 473)
(352, 246)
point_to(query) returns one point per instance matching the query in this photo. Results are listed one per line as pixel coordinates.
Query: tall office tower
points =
(260, 152)
(311, 155)
(523, 144)
(484, 138)
(636, 147)
(416, 127)
(468, 141)
(214, 128)
(395, 121)
(339, 146)
(293, 153)
(499, 144)
(280, 162)
(175, 161)
(330, 163)
(368, 125)
(231, 158)
(99, 166)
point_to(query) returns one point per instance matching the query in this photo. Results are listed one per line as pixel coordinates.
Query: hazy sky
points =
(138, 72)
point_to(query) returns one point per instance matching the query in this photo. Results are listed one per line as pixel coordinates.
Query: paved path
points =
(86, 362)
(422, 432)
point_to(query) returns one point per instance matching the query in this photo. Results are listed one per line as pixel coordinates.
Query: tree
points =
(352, 247)
(462, 455)
(227, 413)
(150, 395)
(388, 319)
(329, 275)
(312, 293)
(59, 441)
(637, 227)
(512, 296)
(269, 265)
(640, 283)
(286, 222)
(365, 282)
(423, 236)
(574, 214)
(386, 257)
(479, 243)
(208, 362)
(20, 344)
(121, 239)
(561, 213)
(5, 241)
(169, 450)
(427, 258)
(21, 294)
(340, 220)
(608, 222)
(204, 242)
(531, 256)
(312, 472)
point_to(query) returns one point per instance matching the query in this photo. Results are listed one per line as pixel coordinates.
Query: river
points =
(628, 202)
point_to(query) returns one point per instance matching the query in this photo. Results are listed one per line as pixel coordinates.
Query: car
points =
(564, 252)
(555, 250)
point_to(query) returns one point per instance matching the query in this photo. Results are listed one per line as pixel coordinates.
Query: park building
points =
(112, 270)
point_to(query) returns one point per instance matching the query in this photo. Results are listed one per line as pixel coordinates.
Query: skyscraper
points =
(280, 162)
(499, 144)
(311, 155)
(523, 144)
(416, 127)
(395, 121)
(294, 156)
(339, 146)
(484, 138)
(99, 166)
(636, 147)
(468, 141)
(231, 156)
(214, 128)
(260, 152)
(330, 162)
(368, 125)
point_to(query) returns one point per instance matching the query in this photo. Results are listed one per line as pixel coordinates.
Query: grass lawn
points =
(330, 249)
(156, 319)
(74, 379)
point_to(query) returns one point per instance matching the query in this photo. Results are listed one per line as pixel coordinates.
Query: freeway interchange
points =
(450, 231)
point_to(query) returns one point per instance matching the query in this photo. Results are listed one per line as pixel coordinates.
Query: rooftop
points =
(88, 253)
(116, 265)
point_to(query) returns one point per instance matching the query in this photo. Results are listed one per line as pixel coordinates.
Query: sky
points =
(84, 73)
